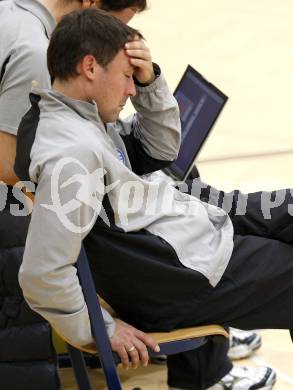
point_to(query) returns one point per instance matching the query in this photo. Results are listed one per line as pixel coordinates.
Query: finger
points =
(134, 357)
(148, 341)
(138, 53)
(124, 358)
(122, 353)
(135, 37)
(136, 45)
(142, 351)
(139, 63)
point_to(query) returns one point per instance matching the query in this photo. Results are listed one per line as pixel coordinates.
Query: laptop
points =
(200, 104)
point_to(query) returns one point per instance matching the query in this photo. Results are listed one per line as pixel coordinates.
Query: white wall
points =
(246, 49)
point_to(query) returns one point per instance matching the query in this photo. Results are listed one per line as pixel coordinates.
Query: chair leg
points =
(97, 322)
(79, 368)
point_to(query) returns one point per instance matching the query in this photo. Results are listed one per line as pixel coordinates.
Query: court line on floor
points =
(282, 375)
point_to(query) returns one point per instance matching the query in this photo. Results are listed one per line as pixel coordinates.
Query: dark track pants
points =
(256, 291)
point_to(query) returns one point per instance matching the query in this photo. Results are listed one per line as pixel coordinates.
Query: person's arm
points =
(23, 66)
(152, 136)
(48, 276)
(7, 153)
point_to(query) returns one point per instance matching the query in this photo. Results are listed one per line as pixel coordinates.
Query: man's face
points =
(113, 86)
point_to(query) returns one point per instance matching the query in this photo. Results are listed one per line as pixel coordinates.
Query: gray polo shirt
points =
(25, 29)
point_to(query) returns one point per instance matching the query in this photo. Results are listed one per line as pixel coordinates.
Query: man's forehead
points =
(122, 60)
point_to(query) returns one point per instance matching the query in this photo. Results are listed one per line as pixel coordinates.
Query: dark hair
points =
(83, 32)
(119, 5)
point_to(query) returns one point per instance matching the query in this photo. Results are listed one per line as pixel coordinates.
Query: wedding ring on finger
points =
(131, 349)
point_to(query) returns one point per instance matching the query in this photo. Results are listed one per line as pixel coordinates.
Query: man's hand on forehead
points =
(141, 60)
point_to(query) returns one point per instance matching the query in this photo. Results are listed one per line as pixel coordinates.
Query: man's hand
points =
(130, 344)
(141, 59)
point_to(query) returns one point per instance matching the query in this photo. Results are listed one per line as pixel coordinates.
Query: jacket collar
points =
(54, 100)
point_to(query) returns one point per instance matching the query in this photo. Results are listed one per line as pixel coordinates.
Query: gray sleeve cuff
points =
(76, 329)
(109, 322)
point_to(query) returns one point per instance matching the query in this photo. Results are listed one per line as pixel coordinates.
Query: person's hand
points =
(141, 59)
(130, 344)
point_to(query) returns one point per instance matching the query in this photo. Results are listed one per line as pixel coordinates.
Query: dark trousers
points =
(256, 290)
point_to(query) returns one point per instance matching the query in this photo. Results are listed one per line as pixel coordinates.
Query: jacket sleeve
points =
(61, 218)
(152, 136)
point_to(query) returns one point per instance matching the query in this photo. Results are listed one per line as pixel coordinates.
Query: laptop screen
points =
(200, 104)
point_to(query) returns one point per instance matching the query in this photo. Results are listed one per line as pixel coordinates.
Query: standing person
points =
(27, 360)
(166, 259)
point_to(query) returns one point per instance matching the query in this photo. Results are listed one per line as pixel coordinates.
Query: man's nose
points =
(131, 89)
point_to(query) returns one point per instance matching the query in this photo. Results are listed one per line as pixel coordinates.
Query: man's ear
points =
(91, 3)
(88, 67)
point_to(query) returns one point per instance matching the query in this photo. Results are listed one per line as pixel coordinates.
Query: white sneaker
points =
(243, 343)
(247, 378)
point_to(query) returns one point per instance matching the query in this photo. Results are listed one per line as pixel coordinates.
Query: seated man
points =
(25, 30)
(163, 259)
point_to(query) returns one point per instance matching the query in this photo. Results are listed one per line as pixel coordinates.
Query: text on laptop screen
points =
(200, 103)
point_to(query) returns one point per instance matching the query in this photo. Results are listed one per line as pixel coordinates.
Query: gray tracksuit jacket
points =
(78, 163)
